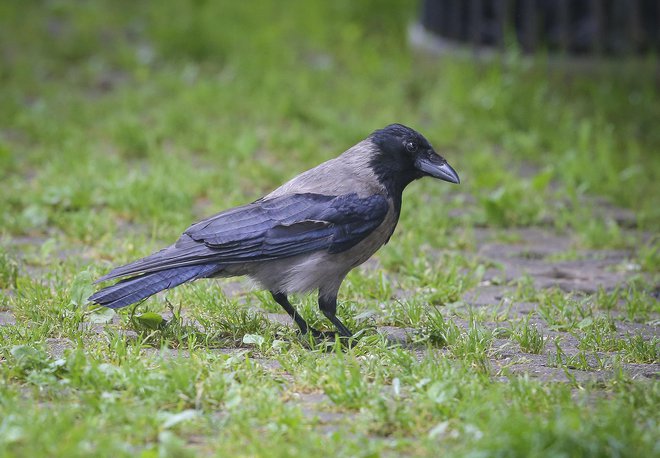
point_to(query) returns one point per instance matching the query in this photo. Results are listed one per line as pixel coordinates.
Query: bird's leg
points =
(281, 299)
(328, 305)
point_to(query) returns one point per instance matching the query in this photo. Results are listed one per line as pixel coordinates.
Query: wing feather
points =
(270, 229)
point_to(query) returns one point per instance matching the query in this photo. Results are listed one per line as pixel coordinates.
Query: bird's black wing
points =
(270, 229)
(291, 225)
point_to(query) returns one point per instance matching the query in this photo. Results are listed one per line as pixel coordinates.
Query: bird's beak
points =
(434, 165)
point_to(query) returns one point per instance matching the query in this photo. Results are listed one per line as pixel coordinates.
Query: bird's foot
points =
(323, 335)
(329, 337)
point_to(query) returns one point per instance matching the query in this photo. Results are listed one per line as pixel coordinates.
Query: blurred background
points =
(155, 113)
(520, 307)
(585, 27)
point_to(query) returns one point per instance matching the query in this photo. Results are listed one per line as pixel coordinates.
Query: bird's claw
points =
(329, 337)
(323, 335)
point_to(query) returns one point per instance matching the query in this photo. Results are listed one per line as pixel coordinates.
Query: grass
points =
(123, 122)
(530, 338)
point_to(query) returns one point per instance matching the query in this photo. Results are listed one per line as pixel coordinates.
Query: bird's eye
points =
(411, 147)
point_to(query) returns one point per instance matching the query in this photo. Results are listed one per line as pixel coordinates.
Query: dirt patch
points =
(486, 295)
(6, 318)
(280, 318)
(57, 347)
(319, 408)
(535, 254)
(536, 366)
(396, 335)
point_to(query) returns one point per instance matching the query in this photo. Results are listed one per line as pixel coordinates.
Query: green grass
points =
(530, 338)
(123, 122)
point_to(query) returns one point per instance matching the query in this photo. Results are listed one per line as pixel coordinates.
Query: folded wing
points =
(269, 229)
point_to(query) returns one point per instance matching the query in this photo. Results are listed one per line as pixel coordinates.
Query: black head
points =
(405, 155)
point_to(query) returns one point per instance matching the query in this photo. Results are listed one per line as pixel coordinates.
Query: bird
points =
(303, 237)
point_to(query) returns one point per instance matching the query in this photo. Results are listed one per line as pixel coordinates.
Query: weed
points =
(639, 304)
(564, 312)
(599, 335)
(8, 270)
(436, 329)
(580, 361)
(637, 349)
(473, 346)
(648, 255)
(529, 337)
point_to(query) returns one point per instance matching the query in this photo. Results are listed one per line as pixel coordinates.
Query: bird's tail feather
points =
(134, 289)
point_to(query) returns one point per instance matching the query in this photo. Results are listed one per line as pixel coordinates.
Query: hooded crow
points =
(304, 236)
